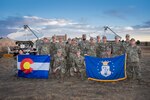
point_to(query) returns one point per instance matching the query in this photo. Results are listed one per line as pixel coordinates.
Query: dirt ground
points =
(13, 88)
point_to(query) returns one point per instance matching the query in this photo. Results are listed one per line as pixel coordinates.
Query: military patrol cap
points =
(91, 38)
(78, 50)
(98, 37)
(69, 38)
(132, 39)
(59, 50)
(127, 35)
(104, 37)
(84, 35)
(73, 39)
(116, 37)
(45, 38)
(53, 37)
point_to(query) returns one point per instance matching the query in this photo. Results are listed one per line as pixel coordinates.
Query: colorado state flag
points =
(33, 66)
(106, 69)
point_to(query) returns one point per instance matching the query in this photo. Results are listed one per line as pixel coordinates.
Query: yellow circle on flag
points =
(26, 65)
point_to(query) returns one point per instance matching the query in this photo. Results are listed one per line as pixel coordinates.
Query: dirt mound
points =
(6, 42)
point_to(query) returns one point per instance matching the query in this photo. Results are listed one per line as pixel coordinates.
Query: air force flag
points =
(33, 66)
(106, 69)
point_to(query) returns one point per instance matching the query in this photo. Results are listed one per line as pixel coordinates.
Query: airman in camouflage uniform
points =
(133, 60)
(83, 44)
(68, 64)
(68, 44)
(97, 44)
(91, 48)
(73, 48)
(117, 47)
(98, 39)
(59, 65)
(72, 52)
(127, 42)
(53, 49)
(104, 48)
(61, 45)
(39, 44)
(45, 49)
(78, 65)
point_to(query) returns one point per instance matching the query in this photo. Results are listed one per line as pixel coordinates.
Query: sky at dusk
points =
(76, 17)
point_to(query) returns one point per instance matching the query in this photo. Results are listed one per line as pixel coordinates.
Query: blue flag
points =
(33, 66)
(106, 69)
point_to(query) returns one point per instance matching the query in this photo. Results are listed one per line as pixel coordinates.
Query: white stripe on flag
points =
(37, 66)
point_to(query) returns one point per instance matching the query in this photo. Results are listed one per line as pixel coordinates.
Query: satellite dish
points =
(25, 35)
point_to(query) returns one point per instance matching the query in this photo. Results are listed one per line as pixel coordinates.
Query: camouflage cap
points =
(53, 37)
(84, 35)
(132, 39)
(91, 38)
(73, 39)
(127, 35)
(104, 37)
(78, 50)
(117, 37)
(98, 37)
(59, 50)
(45, 38)
(69, 38)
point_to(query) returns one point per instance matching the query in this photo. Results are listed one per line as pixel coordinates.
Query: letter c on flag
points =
(26, 65)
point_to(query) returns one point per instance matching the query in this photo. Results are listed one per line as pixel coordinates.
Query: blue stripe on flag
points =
(34, 74)
(37, 58)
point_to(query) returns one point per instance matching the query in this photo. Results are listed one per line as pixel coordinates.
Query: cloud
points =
(129, 28)
(121, 13)
(49, 27)
(143, 25)
(34, 20)
(115, 13)
(46, 26)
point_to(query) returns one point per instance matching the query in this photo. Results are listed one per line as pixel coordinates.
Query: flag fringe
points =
(107, 80)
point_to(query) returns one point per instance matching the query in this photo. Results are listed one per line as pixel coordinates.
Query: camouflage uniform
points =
(53, 51)
(45, 49)
(59, 65)
(133, 62)
(72, 50)
(72, 53)
(126, 44)
(62, 46)
(103, 49)
(68, 64)
(67, 49)
(91, 49)
(39, 44)
(83, 47)
(53, 48)
(117, 49)
(78, 66)
(97, 49)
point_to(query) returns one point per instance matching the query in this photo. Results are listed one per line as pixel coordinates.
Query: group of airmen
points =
(67, 58)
